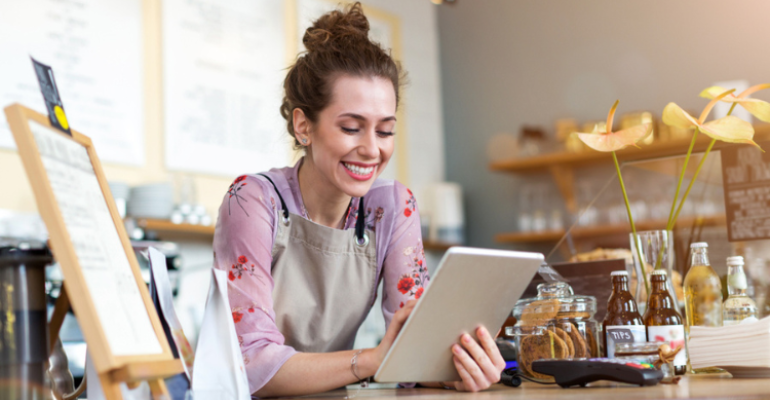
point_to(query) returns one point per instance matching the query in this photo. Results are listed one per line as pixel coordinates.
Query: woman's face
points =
(352, 141)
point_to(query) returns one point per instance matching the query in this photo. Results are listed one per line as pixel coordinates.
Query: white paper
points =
(165, 297)
(95, 49)
(101, 255)
(223, 70)
(219, 367)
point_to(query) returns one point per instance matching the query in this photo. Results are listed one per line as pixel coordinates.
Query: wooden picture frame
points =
(113, 369)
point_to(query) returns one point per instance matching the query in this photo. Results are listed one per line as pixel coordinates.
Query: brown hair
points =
(337, 44)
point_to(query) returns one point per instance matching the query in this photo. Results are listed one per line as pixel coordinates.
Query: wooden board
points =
(102, 276)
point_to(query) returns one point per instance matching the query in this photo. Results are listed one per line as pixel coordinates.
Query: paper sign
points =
(746, 180)
(51, 96)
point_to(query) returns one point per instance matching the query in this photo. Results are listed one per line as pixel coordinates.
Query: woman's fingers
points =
(481, 358)
(491, 348)
(475, 369)
(467, 384)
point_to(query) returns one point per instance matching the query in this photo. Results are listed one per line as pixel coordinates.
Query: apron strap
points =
(361, 224)
(361, 237)
(283, 204)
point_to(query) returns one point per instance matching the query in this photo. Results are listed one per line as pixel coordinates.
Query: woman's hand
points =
(478, 363)
(396, 323)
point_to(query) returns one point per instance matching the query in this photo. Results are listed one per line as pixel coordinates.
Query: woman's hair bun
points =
(336, 29)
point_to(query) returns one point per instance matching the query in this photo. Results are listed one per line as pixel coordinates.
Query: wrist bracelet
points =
(354, 369)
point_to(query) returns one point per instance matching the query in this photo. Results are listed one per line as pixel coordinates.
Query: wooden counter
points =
(701, 387)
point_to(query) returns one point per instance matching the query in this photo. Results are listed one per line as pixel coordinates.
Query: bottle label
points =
(623, 334)
(674, 336)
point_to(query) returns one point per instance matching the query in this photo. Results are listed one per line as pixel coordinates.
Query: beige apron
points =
(324, 281)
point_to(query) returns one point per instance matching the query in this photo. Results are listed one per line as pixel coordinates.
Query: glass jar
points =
(555, 324)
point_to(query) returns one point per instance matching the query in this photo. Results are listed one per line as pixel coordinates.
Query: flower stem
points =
(672, 221)
(681, 178)
(633, 227)
(692, 182)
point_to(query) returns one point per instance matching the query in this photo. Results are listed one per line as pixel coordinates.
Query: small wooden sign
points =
(101, 275)
(746, 180)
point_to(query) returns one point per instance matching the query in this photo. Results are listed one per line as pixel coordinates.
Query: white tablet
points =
(471, 287)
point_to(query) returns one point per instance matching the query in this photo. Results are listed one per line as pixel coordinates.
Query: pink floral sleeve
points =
(242, 246)
(405, 275)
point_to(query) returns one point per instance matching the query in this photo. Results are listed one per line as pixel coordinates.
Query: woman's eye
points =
(350, 130)
(384, 133)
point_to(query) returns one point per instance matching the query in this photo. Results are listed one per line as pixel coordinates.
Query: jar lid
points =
(618, 273)
(660, 272)
(735, 260)
(699, 245)
(554, 300)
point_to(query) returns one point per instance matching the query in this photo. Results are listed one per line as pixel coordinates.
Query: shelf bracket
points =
(565, 180)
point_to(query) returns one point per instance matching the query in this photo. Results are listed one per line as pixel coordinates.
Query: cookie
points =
(567, 340)
(592, 345)
(540, 310)
(581, 348)
(536, 347)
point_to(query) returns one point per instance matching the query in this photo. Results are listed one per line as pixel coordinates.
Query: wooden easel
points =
(113, 368)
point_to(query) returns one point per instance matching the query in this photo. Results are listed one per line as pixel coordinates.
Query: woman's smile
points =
(359, 171)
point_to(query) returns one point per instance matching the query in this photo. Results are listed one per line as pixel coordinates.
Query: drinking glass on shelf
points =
(525, 208)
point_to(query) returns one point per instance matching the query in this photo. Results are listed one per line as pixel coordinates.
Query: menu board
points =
(746, 179)
(102, 89)
(102, 258)
(223, 70)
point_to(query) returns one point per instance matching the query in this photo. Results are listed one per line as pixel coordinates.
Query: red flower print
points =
(240, 268)
(409, 191)
(237, 316)
(405, 284)
(407, 212)
(418, 293)
(235, 187)
(402, 305)
(251, 309)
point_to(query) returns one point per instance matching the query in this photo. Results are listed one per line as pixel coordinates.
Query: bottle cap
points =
(699, 245)
(618, 273)
(660, 272)
(735, 260)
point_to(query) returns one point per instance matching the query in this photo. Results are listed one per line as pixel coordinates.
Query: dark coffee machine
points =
(23, 320)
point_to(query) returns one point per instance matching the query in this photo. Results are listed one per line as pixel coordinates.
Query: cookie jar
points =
(554, 324)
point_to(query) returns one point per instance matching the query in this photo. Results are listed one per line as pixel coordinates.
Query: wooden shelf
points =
(562, 165)
(588, 232)
(588, 157)
(162, 225)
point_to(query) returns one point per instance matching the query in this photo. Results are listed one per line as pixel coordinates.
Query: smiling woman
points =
(306, 246)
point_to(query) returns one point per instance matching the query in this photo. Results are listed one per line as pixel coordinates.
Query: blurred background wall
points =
(509, 63)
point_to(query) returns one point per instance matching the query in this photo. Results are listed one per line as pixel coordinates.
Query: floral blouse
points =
(246, 228)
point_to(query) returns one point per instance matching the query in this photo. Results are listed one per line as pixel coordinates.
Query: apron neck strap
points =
(360, 220)
(283, 204)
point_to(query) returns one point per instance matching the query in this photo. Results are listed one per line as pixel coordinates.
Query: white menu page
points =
(223, 70)
(95, 49)
(101, 255)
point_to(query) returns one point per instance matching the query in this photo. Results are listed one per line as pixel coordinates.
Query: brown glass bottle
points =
(663, 322)
(622, 322)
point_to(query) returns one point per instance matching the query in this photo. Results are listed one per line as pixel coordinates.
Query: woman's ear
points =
(301, 126)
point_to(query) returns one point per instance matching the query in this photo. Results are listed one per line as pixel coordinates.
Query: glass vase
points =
(657, 248)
